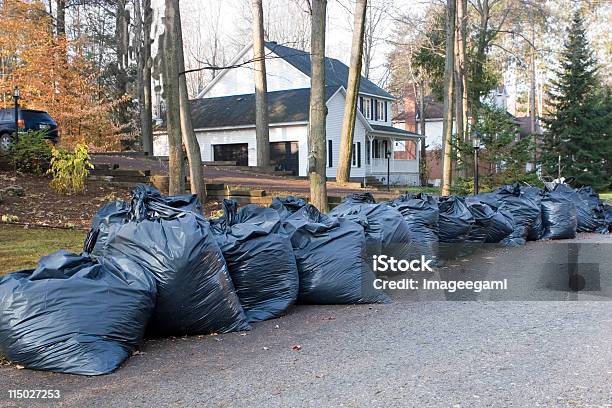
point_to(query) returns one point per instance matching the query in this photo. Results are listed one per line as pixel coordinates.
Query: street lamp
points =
(388, 157)
(476, 145)
(16, 95)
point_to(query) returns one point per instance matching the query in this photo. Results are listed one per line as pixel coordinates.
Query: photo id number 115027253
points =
(34, 394)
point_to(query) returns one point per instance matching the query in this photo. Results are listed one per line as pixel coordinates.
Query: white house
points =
(224, 119)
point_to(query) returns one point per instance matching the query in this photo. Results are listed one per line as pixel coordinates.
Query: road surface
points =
(413, 352)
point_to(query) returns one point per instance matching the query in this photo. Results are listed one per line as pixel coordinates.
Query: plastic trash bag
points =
(260, 260)
(525, 212)
(116, 212)
(385, 228)
(537, 229)
(73, 315)
(287, 206)
(143, 199)
(330, 257)
(491, 224)
(195, 294)
(455, 220)
(608, 215)
(589, 212)
(558, 216)
(421, 213)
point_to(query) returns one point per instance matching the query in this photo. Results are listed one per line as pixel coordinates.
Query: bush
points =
(31, 153)
(69, 170)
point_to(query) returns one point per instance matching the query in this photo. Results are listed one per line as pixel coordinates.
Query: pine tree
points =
(578, 130)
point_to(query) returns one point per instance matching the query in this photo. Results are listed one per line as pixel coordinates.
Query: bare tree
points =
(262, 135)
(143, 15)
(170, 71)
(377, 15)
(318, 109)
(447, 123)
(190, 140)
(352, 93)
(460, 77)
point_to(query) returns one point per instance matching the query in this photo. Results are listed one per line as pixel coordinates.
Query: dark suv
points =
(28, 120)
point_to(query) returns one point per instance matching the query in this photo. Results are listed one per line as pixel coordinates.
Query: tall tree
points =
(190, 140)
(262, 133)
(170, 71)
(318, 109)
(352, 94)
(60, 7)
(143, 16)
(447, 121)
(578, 135)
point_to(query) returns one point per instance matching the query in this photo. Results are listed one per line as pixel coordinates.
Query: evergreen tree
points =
(578, 130)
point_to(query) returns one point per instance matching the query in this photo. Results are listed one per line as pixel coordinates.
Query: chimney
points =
(410, 109)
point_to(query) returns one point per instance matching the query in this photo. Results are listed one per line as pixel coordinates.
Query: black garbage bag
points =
(195, 294)
(455, 220)
(73, 315)
(589, 212)
(421, 213)
(537, 229)
(330, 255)
(525, 212)
(608, 215)
(260, 260)
(118, 212)
(287, 205)
(491, 224)
(386, 230)
(558, 216)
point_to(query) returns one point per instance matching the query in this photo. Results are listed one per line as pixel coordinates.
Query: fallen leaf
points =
(296, 347)
(265, 348)
(19, 367)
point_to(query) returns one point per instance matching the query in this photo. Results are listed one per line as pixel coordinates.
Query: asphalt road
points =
(414, 352)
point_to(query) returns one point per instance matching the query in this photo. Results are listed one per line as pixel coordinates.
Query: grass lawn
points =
(20, 248)
(605, 196)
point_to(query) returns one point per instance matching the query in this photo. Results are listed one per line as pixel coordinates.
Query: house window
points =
(329, 154)
(358, 154)
(368, 108)
(380, 110)
(367, 153)
(376, 149)
(354, 155)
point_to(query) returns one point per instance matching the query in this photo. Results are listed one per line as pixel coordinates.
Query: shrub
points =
(31, 153)
(69, 170)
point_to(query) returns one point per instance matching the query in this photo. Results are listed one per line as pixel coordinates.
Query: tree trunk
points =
(194, 156)
(61, 17)
(423, 163)
(122, 38)
(447, 124)
(171, 67)
(460, 77)
(352, 94)
(318, 109)
(262, 132)
(146, 110)
(532, 93)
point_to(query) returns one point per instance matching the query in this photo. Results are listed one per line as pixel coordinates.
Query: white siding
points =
(295, 133)
(239, 81)
(333, 128)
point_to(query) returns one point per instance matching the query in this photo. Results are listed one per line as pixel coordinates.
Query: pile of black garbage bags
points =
(155, 266)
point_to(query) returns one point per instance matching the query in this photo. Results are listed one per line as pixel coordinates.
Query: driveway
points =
(414, 352)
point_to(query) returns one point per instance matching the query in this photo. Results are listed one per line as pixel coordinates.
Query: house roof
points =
(524, 124)
(239, 110)
(336, 73)
(433, 110)
(391, 129)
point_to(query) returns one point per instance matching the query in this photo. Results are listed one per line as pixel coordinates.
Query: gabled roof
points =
(239, 110)
(336, 73)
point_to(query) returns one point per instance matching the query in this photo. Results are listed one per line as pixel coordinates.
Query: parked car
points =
(29, 119)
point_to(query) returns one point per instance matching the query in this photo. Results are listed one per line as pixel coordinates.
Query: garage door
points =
(237, 152)
(284, 156)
